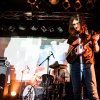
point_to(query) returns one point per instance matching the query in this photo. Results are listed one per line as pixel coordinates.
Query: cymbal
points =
(57, 65)
(62, 66)
(54, 66)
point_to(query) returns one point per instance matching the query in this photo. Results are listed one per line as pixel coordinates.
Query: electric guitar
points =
(76, 50)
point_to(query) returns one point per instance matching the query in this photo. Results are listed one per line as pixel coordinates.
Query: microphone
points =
(52, 54)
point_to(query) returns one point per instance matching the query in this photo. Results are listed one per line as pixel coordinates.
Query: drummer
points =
(60, 73)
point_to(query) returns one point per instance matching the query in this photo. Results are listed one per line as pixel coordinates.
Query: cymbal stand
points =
(64, 92)
(29, 94)
(47, 75)
(57, 84)
(21, 83)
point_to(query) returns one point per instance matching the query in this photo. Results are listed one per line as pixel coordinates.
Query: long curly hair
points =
(82, 22)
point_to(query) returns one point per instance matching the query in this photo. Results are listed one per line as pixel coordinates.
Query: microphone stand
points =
(21, 83)
(48, 58)
(81, 60)
(48, 63)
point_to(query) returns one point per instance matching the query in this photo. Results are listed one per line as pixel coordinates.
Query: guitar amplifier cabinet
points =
(3, 65)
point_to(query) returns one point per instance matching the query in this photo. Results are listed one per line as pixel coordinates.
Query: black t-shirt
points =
(87, 55)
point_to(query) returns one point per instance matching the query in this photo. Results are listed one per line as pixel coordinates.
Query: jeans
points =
(89, 77)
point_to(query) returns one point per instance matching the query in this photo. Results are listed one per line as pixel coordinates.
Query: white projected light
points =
(29, 55)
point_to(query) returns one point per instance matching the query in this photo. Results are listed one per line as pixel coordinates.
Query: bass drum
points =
(40, 93)
(28, 93)
(47, 80)
(31, 93)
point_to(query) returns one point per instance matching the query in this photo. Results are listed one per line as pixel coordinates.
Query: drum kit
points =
(49, 87)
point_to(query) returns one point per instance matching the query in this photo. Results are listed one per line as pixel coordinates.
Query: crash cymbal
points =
(54, 66)
(57, 65)
(62, 66)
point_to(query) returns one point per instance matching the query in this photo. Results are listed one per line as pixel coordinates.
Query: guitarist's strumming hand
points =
(95, 38)
(79, 48)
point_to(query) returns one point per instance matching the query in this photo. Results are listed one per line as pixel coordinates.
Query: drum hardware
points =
(64, 92)
(28, 95)
(57, 65)
(48, 72)
(47, 79)
(20, 89)
(60, 79)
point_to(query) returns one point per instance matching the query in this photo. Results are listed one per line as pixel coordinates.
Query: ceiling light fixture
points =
(54, 2)
(66, 4)
(89, 4)
(77, 5)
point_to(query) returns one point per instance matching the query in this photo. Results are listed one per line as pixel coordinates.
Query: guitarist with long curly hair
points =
(82, 45)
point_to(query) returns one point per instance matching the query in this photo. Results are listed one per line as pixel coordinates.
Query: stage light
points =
(11, 28)
(77, 5)
(4, 28)
(60, 29)
(13, 93)
(22, 28)
(51, 29)
(89, 4)
(66, 4)
(28, 14)
(32, 2)
(33, 28)
(43, 28)
(54, 2)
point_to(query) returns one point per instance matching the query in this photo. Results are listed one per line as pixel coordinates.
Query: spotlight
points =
(77, 5)
(51, 29)
(66, 4)
(4, 28)
(13, 93)
(22, 27)
(33, 28)
(60, 29)
(43, 28)
(28, 13)
(54, 2)
(11, 28)
(89, 4)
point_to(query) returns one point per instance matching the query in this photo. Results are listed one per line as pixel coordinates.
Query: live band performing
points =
(57, 67)
(44, 76)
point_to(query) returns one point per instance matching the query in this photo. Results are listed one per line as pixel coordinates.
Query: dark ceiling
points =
(48, 19)
(45, 5)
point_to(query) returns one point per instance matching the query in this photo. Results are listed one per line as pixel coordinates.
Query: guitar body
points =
(71, 56)
(74, 52)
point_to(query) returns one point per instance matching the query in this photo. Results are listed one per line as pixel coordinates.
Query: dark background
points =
(12, 13)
